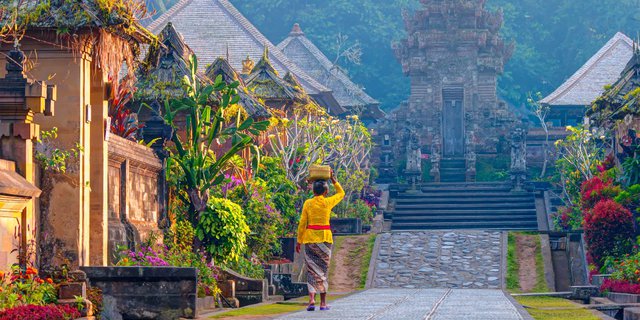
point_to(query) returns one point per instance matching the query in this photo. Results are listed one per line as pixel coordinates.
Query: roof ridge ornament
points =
(296, 31)
(247, 65)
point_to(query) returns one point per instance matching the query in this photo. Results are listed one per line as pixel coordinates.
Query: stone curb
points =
(521, 310)
(373, 262)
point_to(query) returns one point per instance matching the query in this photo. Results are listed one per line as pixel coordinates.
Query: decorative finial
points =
(247, 65)
(296, 31)
(265, 53)
(15, 61)
(228, 53)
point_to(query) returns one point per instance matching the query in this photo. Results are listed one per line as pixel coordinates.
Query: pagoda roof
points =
(165, 66)
(265, 82)
(251, 105)
(604, 68)
(299, 49)
(215, 28)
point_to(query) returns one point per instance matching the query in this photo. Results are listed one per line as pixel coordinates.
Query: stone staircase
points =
(486, 206)
(453, 170)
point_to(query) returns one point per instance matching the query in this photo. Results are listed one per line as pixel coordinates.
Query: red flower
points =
(31, 270)
(49, 280)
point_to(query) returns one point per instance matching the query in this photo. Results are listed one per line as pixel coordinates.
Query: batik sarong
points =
(317, 258)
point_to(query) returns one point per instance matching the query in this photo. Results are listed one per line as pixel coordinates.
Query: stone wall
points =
(145, 292)
(136, 200)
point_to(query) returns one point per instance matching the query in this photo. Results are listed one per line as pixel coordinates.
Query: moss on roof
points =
(120, 17)
(622, 98)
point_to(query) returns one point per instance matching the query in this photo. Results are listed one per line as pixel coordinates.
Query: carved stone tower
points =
(453, 54)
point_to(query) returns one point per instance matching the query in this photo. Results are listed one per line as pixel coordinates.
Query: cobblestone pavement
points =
(410, 304)
(439, 259)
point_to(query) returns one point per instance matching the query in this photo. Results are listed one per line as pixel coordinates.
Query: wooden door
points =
(453, 123)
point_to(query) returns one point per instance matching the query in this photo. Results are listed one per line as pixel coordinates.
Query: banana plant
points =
(199, 168)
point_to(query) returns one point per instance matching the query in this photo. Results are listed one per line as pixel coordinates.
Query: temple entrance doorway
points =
(453, 122)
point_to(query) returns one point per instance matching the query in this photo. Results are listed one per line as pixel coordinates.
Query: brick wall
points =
(136, 193)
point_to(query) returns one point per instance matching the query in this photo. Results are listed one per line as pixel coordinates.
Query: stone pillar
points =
(99, 220)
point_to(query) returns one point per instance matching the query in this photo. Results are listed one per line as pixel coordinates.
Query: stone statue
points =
(413, 169)
(518, 158)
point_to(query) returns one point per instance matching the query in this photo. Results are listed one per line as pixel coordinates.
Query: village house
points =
(72, 216)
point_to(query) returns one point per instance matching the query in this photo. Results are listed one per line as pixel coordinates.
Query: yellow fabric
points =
(317, 211)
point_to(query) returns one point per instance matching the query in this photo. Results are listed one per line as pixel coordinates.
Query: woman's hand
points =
(298, 247)
(333, 177)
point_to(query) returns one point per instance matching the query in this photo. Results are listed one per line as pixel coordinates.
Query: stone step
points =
(458, 195)
(506, 212)
(466, 199)
(485, 225)
(404, 219)
(453, 169)
(447, 189)
(465, 185)
(457, 178)
(451, 205)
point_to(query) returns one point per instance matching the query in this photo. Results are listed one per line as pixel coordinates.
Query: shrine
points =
(453, 55)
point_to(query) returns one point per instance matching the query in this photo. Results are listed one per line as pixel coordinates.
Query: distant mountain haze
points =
(553, 37)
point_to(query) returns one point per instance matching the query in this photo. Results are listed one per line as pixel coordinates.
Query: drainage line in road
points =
(437, 305)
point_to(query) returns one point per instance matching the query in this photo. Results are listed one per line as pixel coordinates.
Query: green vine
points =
(52, 158)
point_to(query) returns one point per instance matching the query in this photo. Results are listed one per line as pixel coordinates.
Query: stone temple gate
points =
(453, 54)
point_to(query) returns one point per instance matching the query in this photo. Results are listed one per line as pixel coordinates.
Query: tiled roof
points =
(299, 49)
(215, 28)
(247, 101)
(602, 69)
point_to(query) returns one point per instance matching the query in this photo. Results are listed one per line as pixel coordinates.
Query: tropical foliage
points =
(196, 168)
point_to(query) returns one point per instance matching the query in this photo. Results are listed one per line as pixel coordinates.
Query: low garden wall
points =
(145, 292)
(136, 193)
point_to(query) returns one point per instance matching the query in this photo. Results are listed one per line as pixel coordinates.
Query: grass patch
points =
(513, 267)
(549, 308)
(277, 308)
(366, 259)
(261, 310)
(541, 281)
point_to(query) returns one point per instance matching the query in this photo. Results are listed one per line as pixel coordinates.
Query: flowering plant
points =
(35, 312)
(178, 253)
(597, 189)
(145, 256)
(24, 287)
(608, 230)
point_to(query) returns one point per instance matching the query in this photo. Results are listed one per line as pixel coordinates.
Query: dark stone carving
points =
(145, 292)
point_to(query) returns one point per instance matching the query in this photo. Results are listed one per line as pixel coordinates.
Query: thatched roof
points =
(161, 74)
(115, 16)
(299, 49)
(249, 103)
(265, 82)
(623, 97)
(604, 68)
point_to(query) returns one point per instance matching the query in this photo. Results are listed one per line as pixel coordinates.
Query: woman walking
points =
(315, 233)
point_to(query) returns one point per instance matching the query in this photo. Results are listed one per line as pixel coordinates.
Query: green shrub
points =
(223, 230)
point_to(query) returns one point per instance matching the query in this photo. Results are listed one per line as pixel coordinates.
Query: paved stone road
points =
(439, 259)
(427, 304)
